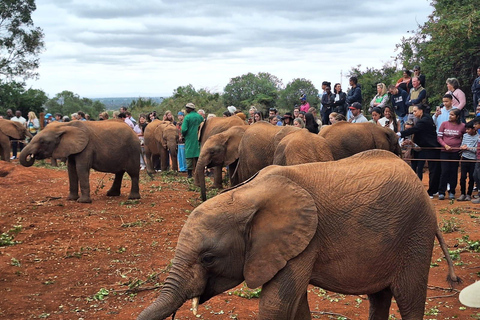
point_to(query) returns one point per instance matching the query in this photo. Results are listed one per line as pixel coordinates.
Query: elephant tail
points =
(452, 278)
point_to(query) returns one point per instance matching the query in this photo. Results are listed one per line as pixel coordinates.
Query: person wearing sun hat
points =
(189, 131)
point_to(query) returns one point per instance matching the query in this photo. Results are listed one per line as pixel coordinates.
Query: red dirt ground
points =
(68, 254)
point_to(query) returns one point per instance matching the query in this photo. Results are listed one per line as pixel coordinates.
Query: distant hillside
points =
(115, 103)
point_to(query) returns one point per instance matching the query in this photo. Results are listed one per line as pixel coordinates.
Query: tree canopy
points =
(290, 96)
(14, 95)
(67, 102)
(20, 41)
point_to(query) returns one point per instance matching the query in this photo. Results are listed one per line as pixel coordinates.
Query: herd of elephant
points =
(330, 212)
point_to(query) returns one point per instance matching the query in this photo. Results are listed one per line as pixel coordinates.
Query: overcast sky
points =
(118, 48)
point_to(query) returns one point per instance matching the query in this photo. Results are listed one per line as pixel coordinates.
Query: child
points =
(409, 148)
(469, 150)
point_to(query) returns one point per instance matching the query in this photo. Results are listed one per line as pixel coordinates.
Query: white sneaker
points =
(13, 157)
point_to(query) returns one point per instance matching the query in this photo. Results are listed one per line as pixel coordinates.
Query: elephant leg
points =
(72, 179)
(231, 170)
(217, 178)
(135, 190)
(173, 156)
(380, 304)
(117, 185)
(83, 173)
(148, 162)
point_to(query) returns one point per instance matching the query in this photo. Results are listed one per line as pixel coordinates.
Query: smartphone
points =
(387, 122)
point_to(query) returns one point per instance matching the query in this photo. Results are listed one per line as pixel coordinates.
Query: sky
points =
(120, 48)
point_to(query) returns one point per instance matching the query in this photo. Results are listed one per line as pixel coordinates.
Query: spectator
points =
(404, 81)
(9, 115)
(442, 114)
(376, 115)
(310, 123)
(168, 116)
(327, 104)
(115, 114)
(182, 161)
(152, 116)
(380, 99)
(477, 110)
(398, 100)
(450, 137)
(357, 116)
(336, 117)
(251, 114)
(58, 117)
(287, 119)
(87, 117)
(353, 95)
(210, 116)
(467, 167)
(304, 105)
(226, 114)
(418, 95)
(128, 115)
(272, 120)
(33, 125)
(324, 85)
(425, 136)
(139, 129)
(73, 116)
(257, 116)
(301, 115)
(475, 89)
(339, 99)
(272, 112)
(296, 111)
(231, 110)
(126, 119)
(409, 148)
(81, 116)
(103, 116)
(16, 145)
(459, 100)
(299, 123)
(47, 119)
(202, 113)
(421, 77)
(389, 119)
(313, 111)
(66, 119)
(189, 131)
(476, 173)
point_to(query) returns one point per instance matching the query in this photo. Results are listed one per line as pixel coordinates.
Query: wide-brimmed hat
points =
(231, 109)
(190, 106)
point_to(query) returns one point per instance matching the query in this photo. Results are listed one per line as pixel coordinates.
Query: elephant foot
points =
(134, 196)
(83, 199)
(72, 197)
(112, 193)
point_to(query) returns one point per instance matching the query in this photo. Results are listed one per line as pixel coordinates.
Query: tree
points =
(290, 96)
(249, 89)
(13, 95)
(67, 102)
(20, 41)
(446, 46)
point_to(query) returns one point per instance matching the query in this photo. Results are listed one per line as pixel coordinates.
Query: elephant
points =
(152, 152)
(10, 130)
(257, 147)
(302, 147)
(220, 150)
(166, 137)
(106, 146)
(346, 139)
(377, 239)
(206, 130)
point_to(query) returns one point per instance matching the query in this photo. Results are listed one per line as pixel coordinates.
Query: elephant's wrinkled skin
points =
(288, 227)
(346, 139)
(220, 150)
(106, 146)
(10, 130)
(152, 151)
(166, 137)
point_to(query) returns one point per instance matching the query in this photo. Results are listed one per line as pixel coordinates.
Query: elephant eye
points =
(208, 259)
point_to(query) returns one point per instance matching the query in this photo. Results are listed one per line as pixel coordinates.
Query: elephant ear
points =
(232, 143)
(278, 230)
(159, 135)
(12, 129)
(72, 140)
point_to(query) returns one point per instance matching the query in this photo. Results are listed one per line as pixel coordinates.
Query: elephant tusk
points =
(195, 305)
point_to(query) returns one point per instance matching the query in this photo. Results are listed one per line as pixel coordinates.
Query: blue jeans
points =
(182, 162)
(403, 120)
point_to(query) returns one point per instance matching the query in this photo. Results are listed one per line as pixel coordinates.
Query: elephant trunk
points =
(27, 158)
(200, 174)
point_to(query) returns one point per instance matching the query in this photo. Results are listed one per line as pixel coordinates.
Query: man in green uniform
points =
(190, 133)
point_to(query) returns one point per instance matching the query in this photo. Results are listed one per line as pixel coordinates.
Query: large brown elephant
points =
(152, 151)
(106, 146)
(302, 147)
(257, 147)
(206, 130)
(220, 150)
(346, 139)
(166, 137)
(363, 242)
(10, 130)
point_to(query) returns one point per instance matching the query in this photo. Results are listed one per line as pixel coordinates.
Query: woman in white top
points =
(389, 119)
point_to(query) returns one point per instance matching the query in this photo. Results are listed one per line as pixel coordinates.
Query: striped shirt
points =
(471, 142)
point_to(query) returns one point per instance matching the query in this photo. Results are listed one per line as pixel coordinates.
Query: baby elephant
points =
(361, 225)
(106, 146)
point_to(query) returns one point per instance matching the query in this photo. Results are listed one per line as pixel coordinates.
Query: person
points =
(327, 104)
(139, 129)
(425, 136)
(417, 73)
(301, 115)
(310, 123)
(189, 131)
(450, 137)
(128, 115)
(476, 89)
(304, 105)
(202, 113)
(103, 116)
(211, 115)
(257, 117)
(404, 81)
(272, 120)
(476, 172)
(467, 161)
(33, 125)
(182, 161)
(417, 95)
(9, 115)
(251, 114)
(47, 119)
(168, 116)
(296, 111)
(81, 116)
(353, 95)
(336, 117)
(287, 119)
(376, 115)
(389, 119)
(58, 117)
(381, 98)
(298, 122)
(152, 116)
(231, 110)
(443, 113)
(17, 145)
(339, 99)
(126, 119)
(272, 112)
(459, 100)
(409, 148)
(357, 116)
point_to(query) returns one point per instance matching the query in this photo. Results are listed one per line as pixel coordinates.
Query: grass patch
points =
(450, 225)
(7, 238)
(245, 292)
